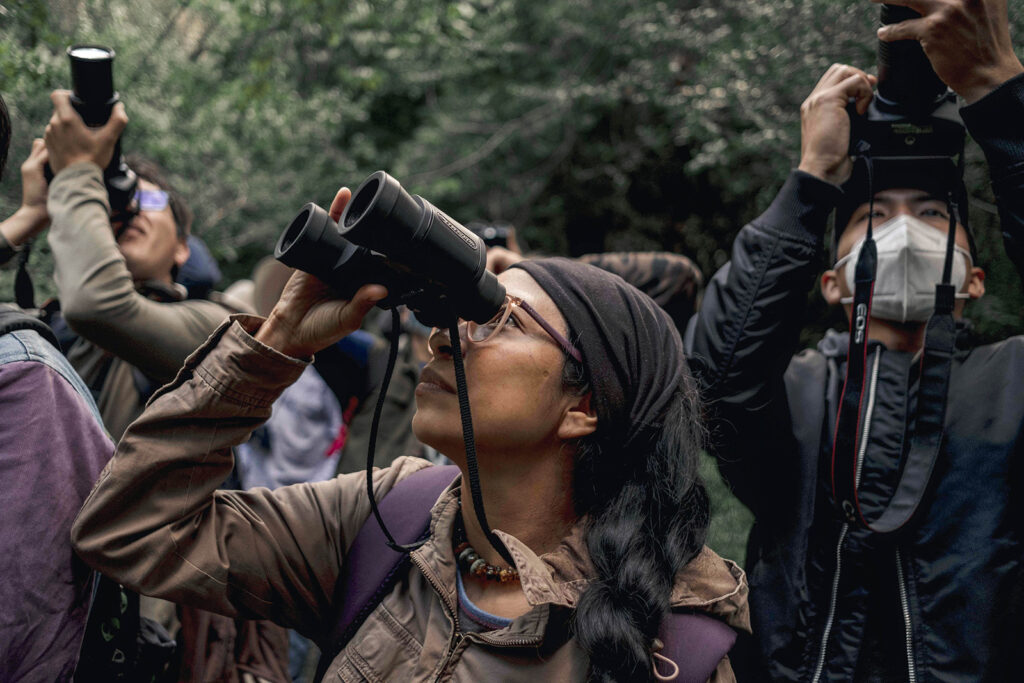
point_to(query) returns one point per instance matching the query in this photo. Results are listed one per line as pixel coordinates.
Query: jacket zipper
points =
(831, 605)
(457, 636)
(845, 528)
(908, 627)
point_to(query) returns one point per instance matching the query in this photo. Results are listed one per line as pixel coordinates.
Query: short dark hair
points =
(5, 135)
(149, 171)
(938, 178)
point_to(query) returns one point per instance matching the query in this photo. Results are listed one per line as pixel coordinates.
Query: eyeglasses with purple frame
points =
(478, 333)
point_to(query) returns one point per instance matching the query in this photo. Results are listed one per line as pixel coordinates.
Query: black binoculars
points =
(386, 236)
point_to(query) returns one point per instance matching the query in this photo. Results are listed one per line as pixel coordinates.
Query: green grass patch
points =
(730, 519)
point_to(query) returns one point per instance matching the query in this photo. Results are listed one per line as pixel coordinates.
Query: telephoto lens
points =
(905, 76)
(92, 82)
(93, 97)
(428, 261)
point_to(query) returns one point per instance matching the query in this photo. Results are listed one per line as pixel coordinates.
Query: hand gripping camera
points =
(93, 97)
(913, 116)
(428, 262)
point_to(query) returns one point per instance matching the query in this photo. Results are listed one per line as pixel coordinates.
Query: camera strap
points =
(24, 290)
(845, 460)
(935, 366)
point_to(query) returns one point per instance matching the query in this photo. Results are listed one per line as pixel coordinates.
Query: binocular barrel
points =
(427, 260)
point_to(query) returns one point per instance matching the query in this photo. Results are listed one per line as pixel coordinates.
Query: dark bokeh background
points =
(589, 124)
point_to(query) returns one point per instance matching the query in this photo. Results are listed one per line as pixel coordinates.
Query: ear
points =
(830, 287)
(578, 421)
(976, 283)
(181, 252)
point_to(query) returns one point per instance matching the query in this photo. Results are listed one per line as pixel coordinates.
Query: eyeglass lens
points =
(151, 200)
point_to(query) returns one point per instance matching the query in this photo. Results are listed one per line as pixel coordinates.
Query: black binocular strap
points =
(933, 389)
(396, 329)
(467, 436)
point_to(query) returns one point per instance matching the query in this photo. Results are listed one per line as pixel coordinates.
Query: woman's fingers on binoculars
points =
(339, 203)
(308, 317)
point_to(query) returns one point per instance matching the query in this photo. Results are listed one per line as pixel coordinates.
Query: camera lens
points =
(90, 52)
(92, 77)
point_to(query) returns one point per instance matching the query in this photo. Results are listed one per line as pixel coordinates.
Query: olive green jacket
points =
(119, 327)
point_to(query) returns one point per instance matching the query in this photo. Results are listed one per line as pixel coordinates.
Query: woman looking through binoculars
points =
(587, 435)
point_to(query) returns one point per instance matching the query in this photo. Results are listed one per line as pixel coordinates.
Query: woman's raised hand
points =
(309, 317)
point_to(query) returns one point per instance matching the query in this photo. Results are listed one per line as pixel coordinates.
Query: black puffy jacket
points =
(940, 601)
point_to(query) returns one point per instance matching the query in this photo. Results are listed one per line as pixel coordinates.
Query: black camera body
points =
(427, 260)
(914, 115)
(93, 97)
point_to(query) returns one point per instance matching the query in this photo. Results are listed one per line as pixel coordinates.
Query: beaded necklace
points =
(470, 561)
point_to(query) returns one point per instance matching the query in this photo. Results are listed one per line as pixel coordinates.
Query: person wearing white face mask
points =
(834, 597)
(910, 253)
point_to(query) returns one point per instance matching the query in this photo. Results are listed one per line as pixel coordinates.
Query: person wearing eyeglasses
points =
(132, 324)
(586, 428)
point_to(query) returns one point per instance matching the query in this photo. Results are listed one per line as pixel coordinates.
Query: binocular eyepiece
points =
(386, 236)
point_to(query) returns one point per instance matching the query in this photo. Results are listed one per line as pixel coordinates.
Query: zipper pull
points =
(656, 649)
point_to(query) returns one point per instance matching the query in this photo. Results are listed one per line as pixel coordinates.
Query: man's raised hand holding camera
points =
(916, 574)
(115, 274)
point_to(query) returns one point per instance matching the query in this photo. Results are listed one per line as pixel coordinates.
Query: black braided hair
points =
(648, 517)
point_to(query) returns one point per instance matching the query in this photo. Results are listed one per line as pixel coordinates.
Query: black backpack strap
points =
(12, 320)
(371, 568)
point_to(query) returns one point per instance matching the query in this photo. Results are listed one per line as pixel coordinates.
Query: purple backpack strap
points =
(696, 643)
(371, 568)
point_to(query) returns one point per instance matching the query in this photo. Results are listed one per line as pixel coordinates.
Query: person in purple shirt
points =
(52, 448)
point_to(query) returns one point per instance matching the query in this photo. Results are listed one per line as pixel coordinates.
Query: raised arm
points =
(97, 293)
(157, 522)
(741, 341)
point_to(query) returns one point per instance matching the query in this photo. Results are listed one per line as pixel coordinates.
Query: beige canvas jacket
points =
(156, 522)
(119, 327)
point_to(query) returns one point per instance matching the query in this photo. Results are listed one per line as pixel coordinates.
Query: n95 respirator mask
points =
(911, 254)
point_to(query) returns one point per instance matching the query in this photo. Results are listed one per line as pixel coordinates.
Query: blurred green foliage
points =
(589, 124)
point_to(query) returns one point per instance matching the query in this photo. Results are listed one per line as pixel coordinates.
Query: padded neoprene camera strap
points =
(850, 439)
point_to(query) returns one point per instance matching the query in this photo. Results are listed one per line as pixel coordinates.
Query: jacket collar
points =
(708, 583)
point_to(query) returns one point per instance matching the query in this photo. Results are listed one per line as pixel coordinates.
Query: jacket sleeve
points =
(98, 297)
(996, 122)
(156, 522)
(741, 341)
